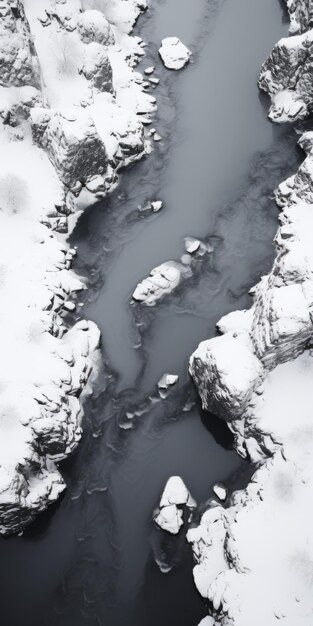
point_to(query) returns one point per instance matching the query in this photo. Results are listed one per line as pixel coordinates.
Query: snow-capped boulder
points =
(192, 245)
(176, 492)
(226, 371)
(169, 516)
(220, 491)
(167, 381)
(174, 54)
(161, 281)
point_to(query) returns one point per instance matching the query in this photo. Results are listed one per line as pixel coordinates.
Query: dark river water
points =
(96, 557)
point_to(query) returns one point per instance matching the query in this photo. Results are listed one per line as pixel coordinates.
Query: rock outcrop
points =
(255, 557)
(66, 72)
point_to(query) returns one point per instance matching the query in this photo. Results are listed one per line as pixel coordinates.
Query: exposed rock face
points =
(301, 15)
(287, 74)
(73, 145)
(254, 558)
(65, 131)
(95, 28)
(18, 60)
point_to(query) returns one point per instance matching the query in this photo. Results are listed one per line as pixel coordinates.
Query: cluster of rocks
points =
(70, 116)
(257, 375)
(165, 278)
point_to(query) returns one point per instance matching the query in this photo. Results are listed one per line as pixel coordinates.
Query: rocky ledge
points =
(254, 556)
(70, 116)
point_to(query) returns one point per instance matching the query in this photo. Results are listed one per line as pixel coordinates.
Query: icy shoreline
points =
(71, 112)
(255, 557)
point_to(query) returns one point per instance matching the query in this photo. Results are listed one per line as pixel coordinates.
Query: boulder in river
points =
(167, 380)
(162, 280)
(174, 54)
(169, 516)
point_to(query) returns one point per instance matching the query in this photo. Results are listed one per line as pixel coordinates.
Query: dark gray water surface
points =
(91, 559)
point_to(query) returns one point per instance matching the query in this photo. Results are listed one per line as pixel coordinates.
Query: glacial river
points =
(96, 557)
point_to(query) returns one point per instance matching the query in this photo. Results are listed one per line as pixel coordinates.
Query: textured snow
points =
(287, 74)
(69, 99)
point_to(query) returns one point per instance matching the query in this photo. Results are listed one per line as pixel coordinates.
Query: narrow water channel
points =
(96, 557)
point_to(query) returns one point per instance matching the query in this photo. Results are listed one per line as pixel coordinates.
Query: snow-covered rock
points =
(174, 54)
(169, 516)
(156, 206)
(167, 381)
(254, 558)
(70, 99)
(192, 245)
(149, 70)
(170, 519)
(196, 246)
(162, 280)
(176, 492)
(220, 491)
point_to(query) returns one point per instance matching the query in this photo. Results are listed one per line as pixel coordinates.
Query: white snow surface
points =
(254, 558)
(174, 54)
(176, 492)
(69, 104)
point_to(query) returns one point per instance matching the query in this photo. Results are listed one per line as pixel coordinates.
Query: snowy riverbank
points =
(255, 557)
(72, 112)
